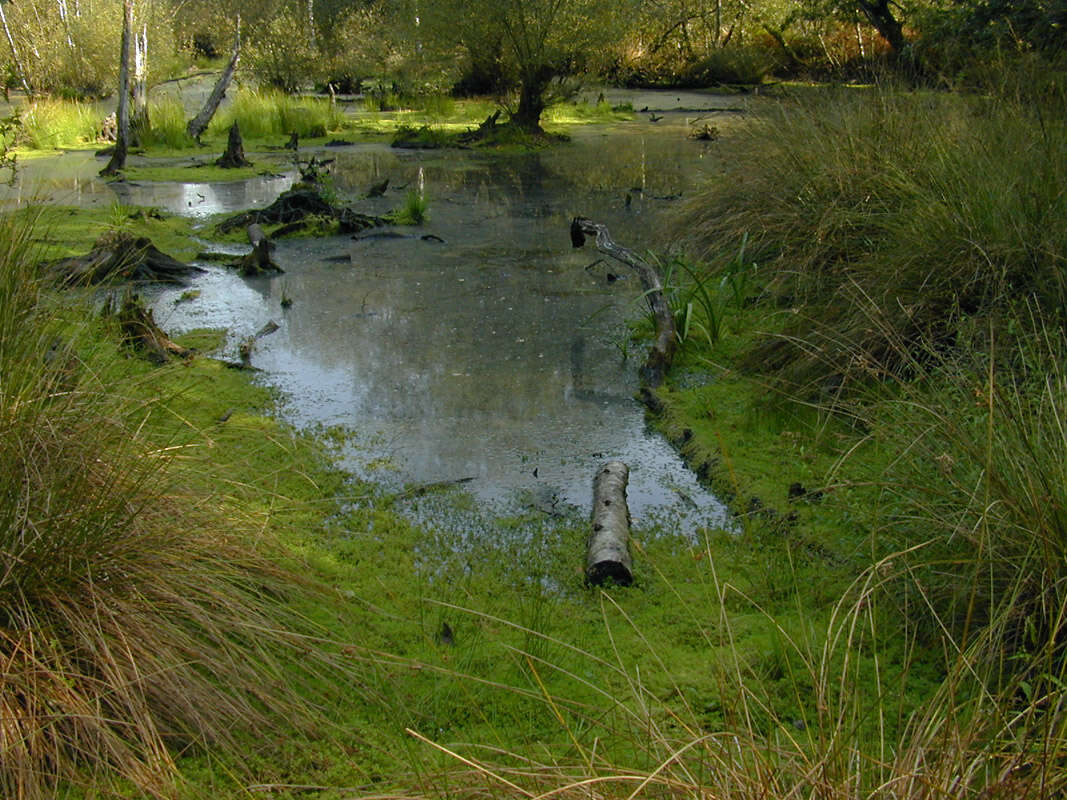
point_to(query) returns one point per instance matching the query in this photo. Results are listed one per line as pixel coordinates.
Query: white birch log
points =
(608, 555)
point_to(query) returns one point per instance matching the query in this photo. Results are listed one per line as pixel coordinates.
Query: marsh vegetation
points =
(868, 287)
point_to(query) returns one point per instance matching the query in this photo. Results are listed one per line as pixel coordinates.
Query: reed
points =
(51, 124)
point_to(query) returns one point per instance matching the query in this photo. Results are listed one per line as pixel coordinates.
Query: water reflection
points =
(495, 355)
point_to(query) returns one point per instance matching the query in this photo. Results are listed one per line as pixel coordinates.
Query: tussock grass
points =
(910, 292)
(167, 121)
(140, 612)
(265, 113)
(926, 206)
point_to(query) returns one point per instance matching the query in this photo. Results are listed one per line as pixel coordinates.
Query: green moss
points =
(64, 231)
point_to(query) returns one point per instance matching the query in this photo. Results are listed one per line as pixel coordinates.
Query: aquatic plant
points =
(415, 210)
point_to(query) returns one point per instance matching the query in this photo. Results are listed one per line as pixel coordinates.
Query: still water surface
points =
(501, 354)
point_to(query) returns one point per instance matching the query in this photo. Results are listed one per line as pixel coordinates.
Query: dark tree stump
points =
(296, 205)
(140, 331)
(258, 262)
(235, 152)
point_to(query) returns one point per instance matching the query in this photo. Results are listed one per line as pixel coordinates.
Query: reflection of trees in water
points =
(533, 183)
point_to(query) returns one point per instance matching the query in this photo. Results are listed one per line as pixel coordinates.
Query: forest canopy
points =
(523, 51)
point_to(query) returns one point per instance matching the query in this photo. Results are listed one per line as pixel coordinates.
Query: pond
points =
(491, 352)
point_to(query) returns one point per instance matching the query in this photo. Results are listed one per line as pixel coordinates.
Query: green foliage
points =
(167, 126)
(751, 64)
(282, 54)
(538, 42)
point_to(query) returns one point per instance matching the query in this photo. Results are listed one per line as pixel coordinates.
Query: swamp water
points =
(501, 356)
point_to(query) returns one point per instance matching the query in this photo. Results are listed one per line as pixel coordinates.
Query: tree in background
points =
(539, 41)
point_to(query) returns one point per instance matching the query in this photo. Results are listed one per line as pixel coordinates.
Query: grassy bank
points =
(874, 351)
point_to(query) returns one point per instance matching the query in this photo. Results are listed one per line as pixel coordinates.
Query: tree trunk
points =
(139, 123)
(198, 124)
(881, 17)
(608, 555)
(122, 115)
(661, 354)
(19, 68)
(532, 100)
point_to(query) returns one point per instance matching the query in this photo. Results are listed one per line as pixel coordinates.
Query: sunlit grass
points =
(55, 124)
(260, 114)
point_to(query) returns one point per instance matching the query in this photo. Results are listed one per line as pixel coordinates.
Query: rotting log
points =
(608, 554)
(661, 354)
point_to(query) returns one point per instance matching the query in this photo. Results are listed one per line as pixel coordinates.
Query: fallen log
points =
(662, 351)
(608, 553)
(119, 257)
(198, 124)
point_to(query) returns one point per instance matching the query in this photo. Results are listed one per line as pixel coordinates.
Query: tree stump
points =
(119, 257)
(258, 261)
(235, 152)
(140, 331)
(608, 554)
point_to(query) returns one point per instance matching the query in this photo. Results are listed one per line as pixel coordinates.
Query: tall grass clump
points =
(923, 204)
(137, 615)
(270, 113)
(414, 211)
(167, 125)
(50, 124)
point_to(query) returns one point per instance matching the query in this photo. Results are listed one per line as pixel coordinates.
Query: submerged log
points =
(661, 353)
(119, 257)
(608, 555)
